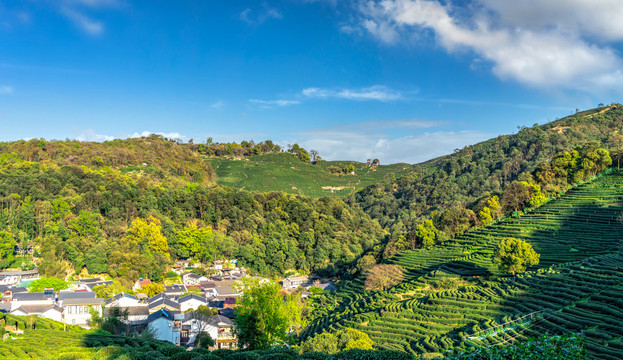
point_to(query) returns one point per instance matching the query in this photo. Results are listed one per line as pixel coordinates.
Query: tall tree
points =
(514, 255)
(262, 316)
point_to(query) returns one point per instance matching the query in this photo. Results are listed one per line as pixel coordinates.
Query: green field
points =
(577, 287)
(284, 172)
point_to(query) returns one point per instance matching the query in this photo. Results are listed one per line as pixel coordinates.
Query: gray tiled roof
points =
(164, 301)
(38, 309)
(83, 301)
(63, 295)
(33, 296)
(190, 297)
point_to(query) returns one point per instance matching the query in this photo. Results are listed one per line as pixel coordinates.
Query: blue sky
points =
(399, 80)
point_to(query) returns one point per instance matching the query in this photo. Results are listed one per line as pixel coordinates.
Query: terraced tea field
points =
(284, 172)
(578, 286)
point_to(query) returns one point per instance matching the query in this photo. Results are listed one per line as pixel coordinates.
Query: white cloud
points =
(84, 22)
(6, 90)
(170, 135)
(90, 135)
(367, 140)
(248, 16)
(377, 92)
(270, 103)
(551, 44)
(218, 104)
(76, 12)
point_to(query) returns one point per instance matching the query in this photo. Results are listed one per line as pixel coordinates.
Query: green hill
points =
(285, 172)
(453, 296)
(487, 167)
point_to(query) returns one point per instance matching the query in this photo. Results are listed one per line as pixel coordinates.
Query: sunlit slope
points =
(452, 291)
(285, 172)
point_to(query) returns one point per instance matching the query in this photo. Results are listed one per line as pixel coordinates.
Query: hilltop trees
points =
(513, 256)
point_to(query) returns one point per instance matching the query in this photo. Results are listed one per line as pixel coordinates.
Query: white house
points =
(140, 283)
(122, 300)
(220, 328)
(292, 282)
(76, 310)
(166, 325)
(48, 311)
(191, 302)
(34, 298)
(193, 279)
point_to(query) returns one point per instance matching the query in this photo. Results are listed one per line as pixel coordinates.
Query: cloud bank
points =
(543, 44)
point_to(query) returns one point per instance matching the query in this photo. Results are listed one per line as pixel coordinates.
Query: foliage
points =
(152, 289)
(263, 316)
(383, 277)
(204, 340)
(514, 255)
(568, 347)
(7, 245)
(343, 340)
(490, 167)
(47, 282)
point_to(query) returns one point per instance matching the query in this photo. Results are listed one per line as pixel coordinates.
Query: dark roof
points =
(174, 288)
(33, 296)
(135, 310)
(193, 275)
(20, 272)
(158, 297)
(3, 288)
(167, 302)
(228, 313)
(120, 296)
(94, 284)
(190, 297)
(230, 301)
(89, 281)
(64, 295)
(216, 319)
(83, 301)
(167, 314)
(208, 285)
(18, 289)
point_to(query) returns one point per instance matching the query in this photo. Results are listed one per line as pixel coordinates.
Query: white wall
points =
(164, 330)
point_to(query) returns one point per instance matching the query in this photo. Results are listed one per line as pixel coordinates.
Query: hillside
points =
(285, 172)
(486, 168)
(130, 222)
(153, 157)
(453, 296)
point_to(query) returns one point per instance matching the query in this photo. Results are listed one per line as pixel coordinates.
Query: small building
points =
(122, 300)
(48, 311)
(292, 282)
(166, 325)
(175, 290)
(191, 302)
(193, 279)
(76, 310)
(229, 303)
(33, 298)
(163, 304)
(140, 283)
(226, 335)
(137, 315)
(14, 277)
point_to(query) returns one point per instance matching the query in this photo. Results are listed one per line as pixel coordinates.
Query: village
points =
(199, 304)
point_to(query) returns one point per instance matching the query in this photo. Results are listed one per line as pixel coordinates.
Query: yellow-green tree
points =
(426, 233)
(513, 256)
(147, 233)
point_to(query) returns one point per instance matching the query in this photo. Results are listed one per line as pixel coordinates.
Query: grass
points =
(284, 172)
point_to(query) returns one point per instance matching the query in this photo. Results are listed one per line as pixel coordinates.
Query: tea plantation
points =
(454, 297)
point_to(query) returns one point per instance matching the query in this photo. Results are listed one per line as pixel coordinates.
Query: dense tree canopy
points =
(515, 255)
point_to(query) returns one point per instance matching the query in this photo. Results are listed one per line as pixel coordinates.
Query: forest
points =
(143, 203)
